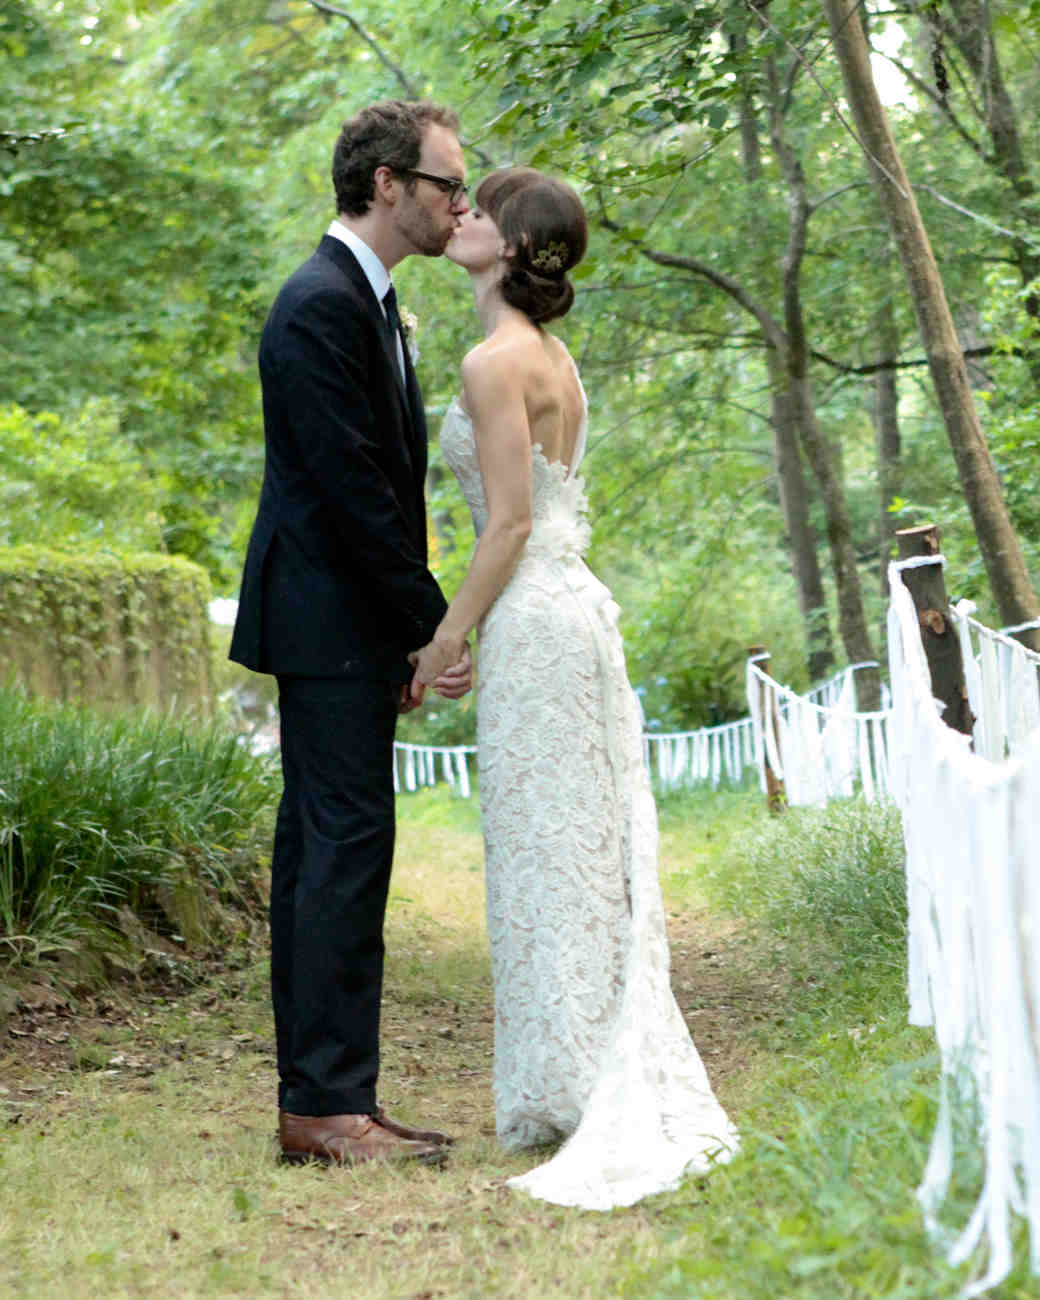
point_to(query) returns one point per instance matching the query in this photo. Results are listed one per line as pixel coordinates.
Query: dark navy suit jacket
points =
(336, 579)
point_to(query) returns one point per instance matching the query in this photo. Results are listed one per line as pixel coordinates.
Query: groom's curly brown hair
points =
(385, 134)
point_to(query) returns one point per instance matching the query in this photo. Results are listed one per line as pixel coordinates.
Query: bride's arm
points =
(494, 398)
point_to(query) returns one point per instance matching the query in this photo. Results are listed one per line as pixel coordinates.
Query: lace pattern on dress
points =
(589, 1043)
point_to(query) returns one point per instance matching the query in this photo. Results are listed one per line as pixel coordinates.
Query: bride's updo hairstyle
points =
(543, 220)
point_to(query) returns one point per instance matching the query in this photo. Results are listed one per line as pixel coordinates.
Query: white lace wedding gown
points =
(589, 1043)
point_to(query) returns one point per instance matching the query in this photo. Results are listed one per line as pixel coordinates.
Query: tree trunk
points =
(750, 147)
(939, 636)
(852, 618)
(794, 502)
(968, 24)
(998, 543)
(889, 442)
(794, 491)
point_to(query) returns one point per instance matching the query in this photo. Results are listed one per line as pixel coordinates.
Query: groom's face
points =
(426, 215)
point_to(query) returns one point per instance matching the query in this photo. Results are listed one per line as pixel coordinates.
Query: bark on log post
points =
(776, 795)
(942, 645)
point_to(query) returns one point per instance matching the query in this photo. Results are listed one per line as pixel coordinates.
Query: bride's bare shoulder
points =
(499, 360)
(504, 347)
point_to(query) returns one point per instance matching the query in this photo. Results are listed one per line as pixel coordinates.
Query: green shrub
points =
(97, 813)
(832, 876)
(129, 629)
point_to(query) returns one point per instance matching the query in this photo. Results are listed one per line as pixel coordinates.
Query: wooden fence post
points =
(942, 645)
(776, 795)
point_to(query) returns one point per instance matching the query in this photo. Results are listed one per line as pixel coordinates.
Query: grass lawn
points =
(138, 1154)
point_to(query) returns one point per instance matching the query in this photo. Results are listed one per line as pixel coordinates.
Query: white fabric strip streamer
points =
(418, 765)
(679, 758)
(1003, 680)
(971, 824)
(819, 750)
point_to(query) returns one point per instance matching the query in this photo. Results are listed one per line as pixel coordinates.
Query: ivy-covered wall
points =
(122, 629)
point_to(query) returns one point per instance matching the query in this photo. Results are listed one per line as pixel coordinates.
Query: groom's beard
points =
(422, 231)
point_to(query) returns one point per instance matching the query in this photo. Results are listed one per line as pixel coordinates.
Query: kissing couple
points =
(338, 602)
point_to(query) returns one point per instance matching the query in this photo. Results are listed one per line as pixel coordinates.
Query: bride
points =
(589, 1043)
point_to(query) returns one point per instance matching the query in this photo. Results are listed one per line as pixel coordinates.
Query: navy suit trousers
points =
(330, 875)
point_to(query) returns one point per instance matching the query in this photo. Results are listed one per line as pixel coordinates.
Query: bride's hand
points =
(456, 680)
(433, 660)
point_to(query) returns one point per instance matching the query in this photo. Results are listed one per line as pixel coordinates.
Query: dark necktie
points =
(393, 324)
(393, 320)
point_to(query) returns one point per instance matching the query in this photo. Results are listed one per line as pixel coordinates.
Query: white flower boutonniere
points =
(409, 324)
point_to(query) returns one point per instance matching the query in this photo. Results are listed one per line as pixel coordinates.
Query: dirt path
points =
(137, 1028)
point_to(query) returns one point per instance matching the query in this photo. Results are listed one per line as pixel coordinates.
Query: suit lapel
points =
(417, 413)
(390, 348)
(347, 262)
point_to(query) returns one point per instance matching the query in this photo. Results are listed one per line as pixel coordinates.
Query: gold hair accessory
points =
(552, 257)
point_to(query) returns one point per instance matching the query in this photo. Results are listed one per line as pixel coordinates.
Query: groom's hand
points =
(406, 702)
(449, 671)
(455, 681)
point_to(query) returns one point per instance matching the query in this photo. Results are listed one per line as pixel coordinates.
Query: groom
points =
(336, 592)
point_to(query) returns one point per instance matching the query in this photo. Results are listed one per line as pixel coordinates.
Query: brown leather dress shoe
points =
(348, 1140)
(412, 1134)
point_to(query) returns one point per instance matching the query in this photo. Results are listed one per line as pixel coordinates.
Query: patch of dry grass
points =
(155, 1174)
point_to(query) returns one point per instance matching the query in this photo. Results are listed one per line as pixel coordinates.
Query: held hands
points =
(444, 664)
(405, 703)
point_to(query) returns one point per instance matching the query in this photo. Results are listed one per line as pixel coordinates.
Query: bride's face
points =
(475, 244)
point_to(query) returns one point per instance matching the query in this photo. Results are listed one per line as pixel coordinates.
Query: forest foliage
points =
(166, 164)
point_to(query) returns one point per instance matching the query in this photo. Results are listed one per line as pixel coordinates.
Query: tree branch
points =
(853, 185)
(890, 363)
(940, 101)
(770, 327)
(835, 106)
(976, 216)
(406, 84)
(404, 81)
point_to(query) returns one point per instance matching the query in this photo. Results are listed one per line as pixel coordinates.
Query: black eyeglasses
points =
(449, 185)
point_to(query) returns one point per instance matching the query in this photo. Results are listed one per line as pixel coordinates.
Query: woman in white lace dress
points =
(589, 1043)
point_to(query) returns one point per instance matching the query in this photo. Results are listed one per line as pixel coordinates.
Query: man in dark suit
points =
(336, 592)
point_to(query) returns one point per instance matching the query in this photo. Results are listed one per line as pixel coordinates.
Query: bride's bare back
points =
(544, 378)
(553, 397)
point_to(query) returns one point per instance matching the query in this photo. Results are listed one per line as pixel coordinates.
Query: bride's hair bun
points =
(542, 298)
(543, 221)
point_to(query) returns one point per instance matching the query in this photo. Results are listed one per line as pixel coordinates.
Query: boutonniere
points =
(409, 325)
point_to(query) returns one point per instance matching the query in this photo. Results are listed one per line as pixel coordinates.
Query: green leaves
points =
(78, 482)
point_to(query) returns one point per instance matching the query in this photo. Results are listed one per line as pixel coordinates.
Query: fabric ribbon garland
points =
(820, 751)
(971, 826)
